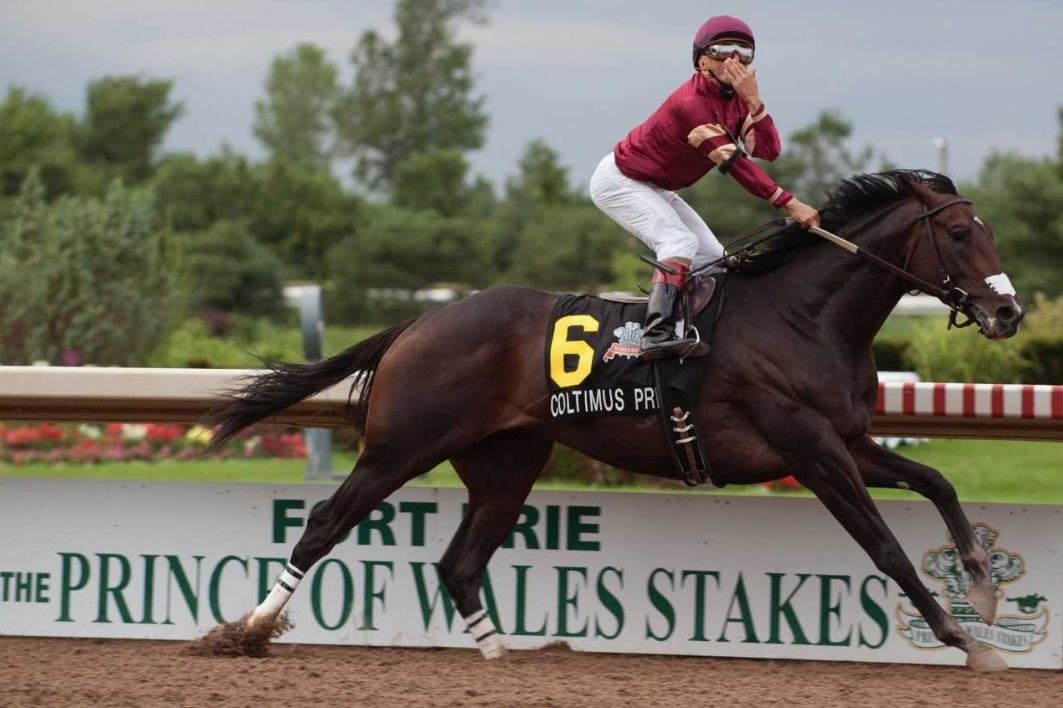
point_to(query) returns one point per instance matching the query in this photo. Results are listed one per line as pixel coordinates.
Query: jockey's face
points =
(711, 68)
(711, 65)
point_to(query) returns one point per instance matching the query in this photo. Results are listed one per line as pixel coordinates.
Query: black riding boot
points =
(658, 335)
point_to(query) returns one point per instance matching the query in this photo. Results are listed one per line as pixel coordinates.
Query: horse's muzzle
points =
(1001, 322)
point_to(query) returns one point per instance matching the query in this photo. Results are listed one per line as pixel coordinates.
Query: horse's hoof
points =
(985, 660)
(983, 598)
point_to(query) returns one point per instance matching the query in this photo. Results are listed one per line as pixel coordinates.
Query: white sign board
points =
(617, 572)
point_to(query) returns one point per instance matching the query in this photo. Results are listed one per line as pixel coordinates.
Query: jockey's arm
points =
(759, 135)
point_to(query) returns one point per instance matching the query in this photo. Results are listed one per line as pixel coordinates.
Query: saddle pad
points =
(592, 359)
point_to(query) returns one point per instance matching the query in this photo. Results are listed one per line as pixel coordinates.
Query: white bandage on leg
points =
(278, 597)
(483, 631)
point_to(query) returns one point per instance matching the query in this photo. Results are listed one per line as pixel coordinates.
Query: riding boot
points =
(658, 335)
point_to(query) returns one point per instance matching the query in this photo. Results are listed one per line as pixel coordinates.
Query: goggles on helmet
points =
(726, 50)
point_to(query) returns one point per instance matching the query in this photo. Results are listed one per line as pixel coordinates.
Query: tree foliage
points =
(571, 248)
(193, 194)
(95, 276)
(294, 121)
(413, 93)
(1020, 199)
(432, 180)
(126, 120)
(33, 136)
(394, 252)
(817, 157)
(224, 268)
(301, 212)
(540, 184)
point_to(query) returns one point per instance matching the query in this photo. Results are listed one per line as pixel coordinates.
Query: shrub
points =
(1046, 358)
(193, 345)
(86, 275)
(938, 354)
(1041, 334)
(891, 353)
(226, 269)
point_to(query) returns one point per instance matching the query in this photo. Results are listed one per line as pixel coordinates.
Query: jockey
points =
(697, 128)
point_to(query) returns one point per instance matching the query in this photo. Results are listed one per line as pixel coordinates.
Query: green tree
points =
(571, 247)
(541, 178)
(225, 268)
(301, 212)
(817, 157)
(33, 135)
(1019, 198)
(193, 194)
(432, 180)
(126, 119)
(376, 271)
(412, 93)
(541, 184)
(96, 276)
(294, 121)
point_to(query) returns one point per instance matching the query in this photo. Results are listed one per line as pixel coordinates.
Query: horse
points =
(790, 388)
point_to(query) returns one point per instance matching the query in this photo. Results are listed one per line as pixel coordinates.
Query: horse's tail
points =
(284, 385)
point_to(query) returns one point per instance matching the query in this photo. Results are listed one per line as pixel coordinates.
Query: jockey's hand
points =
(802, 213)
(743, 81)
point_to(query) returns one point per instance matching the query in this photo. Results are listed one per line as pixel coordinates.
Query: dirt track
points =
(83, 672)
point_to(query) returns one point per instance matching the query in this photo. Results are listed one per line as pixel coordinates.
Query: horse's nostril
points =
(1009, 313)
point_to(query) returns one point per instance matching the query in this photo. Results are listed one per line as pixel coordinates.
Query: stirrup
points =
(676, 347)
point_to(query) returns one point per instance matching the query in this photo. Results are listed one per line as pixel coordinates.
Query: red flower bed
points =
(113, 442)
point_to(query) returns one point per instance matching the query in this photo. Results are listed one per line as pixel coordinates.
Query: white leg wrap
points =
(483, 631)
(278, 596)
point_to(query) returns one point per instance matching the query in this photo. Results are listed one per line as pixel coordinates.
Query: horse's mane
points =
(861, 194)
(853, 198)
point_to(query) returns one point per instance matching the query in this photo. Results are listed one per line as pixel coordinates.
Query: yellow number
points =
(561, 345)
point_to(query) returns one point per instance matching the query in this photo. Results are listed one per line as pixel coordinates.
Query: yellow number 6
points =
(560, 345)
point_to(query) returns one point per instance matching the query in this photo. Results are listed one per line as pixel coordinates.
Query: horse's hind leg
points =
(882, 468)
(373, 479)
(499, 472)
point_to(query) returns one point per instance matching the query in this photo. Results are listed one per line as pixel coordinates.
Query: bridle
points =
(954, 296)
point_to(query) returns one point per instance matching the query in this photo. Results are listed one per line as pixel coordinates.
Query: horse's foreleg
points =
(499, 472)
(880, 467)
(371, 481)
(833, 476)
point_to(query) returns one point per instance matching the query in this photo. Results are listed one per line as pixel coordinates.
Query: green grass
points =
(981, 470)
(994, 470)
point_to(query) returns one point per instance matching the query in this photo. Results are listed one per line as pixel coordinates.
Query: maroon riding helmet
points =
(719, 28)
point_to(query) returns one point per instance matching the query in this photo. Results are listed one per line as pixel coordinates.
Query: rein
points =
(954, 297)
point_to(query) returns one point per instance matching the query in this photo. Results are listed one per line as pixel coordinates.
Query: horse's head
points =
(954, 247)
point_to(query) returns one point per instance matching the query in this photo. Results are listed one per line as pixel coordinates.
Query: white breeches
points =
(657, 217)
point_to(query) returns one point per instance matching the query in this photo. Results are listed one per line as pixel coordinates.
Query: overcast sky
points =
(985, 74)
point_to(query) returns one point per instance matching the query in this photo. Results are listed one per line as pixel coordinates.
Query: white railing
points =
(184, 395)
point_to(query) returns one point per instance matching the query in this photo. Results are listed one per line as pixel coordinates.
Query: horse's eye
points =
(959, 234)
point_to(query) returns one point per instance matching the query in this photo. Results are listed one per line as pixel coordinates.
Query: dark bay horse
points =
(790, 388)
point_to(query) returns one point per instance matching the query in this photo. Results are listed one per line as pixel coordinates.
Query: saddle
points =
(695, 296)
(591, 373)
